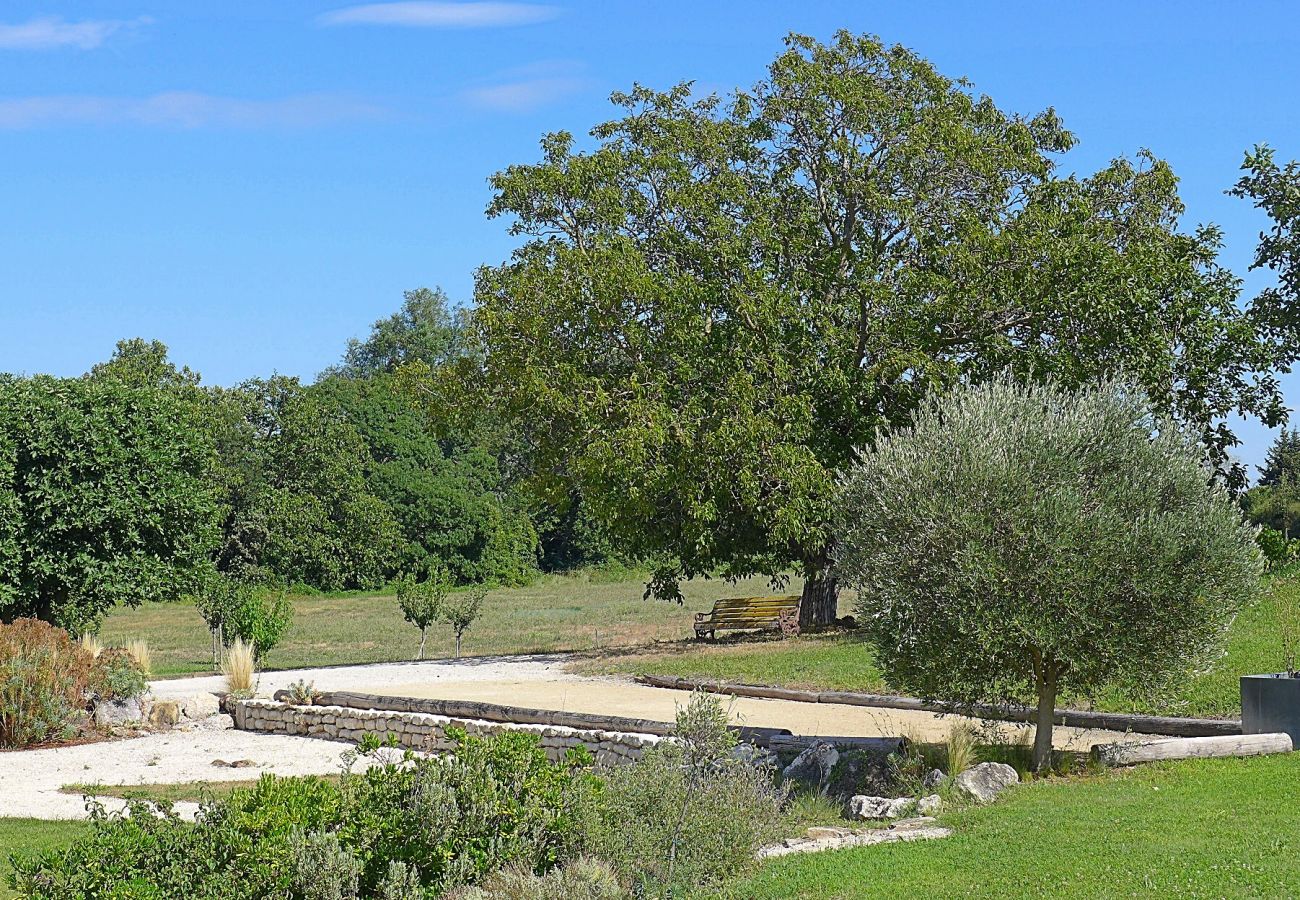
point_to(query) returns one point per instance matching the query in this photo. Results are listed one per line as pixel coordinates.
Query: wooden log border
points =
(1075, 718)
(1191, 748)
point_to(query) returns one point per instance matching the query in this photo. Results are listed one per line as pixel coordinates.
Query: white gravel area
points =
(30, 780)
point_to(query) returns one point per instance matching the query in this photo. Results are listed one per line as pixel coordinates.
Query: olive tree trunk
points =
(819, 603)
(1047, 674)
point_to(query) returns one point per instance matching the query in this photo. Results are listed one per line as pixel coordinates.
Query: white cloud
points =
(422, 14)
(522, 96)
(185, 109)
(48, 32)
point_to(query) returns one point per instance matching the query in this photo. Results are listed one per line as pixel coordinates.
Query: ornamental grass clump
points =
(1021, 541)
(238, 666)
(45, 683)
(139, 650)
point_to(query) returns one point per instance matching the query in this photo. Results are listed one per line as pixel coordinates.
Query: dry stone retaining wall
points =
(428, 732)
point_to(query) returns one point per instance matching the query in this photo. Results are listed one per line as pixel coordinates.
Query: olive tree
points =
(1017, 541)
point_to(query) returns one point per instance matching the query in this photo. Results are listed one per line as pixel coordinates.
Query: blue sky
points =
(253, 183)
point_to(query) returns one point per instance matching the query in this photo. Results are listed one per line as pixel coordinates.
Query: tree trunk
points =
(423, 634)
(458, 645)
(819, 603)
(1043, 723)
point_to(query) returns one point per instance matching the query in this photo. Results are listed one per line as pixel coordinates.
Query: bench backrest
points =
(758, 609)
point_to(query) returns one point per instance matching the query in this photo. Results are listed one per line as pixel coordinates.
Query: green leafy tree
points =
(421, 602)
(103, 499)
(427, 329)
(142, 363)
(446, 492)
(1019, 541)
(1275, 501)
(722, 301)
(260, 619)
(299, 505)
(461, 609)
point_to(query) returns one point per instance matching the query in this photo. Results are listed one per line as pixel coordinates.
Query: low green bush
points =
(689, 814)
(45, 678)
(440, 822)
(492, 818)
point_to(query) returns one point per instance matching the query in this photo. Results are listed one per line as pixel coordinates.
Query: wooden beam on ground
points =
(1191, 748)
(1137, 723)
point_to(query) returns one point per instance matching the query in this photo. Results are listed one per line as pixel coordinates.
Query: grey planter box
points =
(1271, 703)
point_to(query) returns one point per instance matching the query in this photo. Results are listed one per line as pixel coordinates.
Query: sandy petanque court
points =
(623, 697)
(34, 782)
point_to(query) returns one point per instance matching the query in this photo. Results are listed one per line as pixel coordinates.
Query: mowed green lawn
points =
(555, 613)
(27, 837)
(1202, 828)
(842, 662)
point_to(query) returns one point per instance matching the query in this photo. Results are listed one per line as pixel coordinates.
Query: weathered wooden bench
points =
(741, 613)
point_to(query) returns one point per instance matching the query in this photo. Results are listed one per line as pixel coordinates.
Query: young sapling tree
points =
(421, 602)
(1017, 542)
(462, 609)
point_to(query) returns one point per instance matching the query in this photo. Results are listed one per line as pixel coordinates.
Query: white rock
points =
(199, 706)
(868, 808)
(928, 806)
(114, 713)
(985, 781)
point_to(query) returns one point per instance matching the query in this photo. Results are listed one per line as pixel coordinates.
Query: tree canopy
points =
(719, 303)
(1020, 541)
(103, 499)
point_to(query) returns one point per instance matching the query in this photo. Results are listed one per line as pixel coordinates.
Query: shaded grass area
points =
(832, 662)
(556, 613)
(844, 663)
(1202, 828)
(31, 836)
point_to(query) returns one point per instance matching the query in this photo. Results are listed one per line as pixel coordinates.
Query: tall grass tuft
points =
(139, 650)
(959, 748)
(91, 645)
(238, 667)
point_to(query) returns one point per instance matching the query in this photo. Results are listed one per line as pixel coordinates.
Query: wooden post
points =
(1191, 748)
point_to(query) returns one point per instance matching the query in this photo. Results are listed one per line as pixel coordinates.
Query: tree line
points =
(137, 482)
(716, 305)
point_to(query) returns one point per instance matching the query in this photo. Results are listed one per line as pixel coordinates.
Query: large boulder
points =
(985, 781)
(868, 808)
(199, 706)
(813, 767)
(164, 714)
(119, 713)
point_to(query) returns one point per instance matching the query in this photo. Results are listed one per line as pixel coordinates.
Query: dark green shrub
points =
(45, 677)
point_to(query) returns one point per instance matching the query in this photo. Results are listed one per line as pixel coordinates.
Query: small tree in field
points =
(421, 601)
(1018, 541)
(461, 610)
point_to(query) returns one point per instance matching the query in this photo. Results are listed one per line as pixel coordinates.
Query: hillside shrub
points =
(45, 678)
